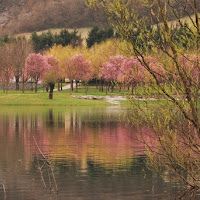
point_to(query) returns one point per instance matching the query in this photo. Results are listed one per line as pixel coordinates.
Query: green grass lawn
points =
(63, 98)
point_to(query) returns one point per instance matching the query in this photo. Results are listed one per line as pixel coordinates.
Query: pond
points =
(83, 152)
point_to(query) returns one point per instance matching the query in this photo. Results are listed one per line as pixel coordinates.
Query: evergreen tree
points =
(97, 35)
(184, 37)
(47, 40)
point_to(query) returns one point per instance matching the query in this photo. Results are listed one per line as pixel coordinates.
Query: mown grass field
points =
(40, 98)
(63, 98)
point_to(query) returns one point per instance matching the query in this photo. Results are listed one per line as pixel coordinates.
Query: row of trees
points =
(14, 53)
(181, 35)
(46, 40)
(49, 70)
(110, 64)
(111, 61)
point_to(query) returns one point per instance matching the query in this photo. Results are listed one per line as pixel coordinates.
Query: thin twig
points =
(41, 174)
(49, 164)
(4, 191)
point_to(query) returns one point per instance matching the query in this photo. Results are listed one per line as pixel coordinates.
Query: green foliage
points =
(184, 37)
(140, 39)
(7, 39)
(97, 35)
(46, 40)
(65, 38)
(174, 128)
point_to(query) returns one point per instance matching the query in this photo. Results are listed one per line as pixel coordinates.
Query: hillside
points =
(18, 16)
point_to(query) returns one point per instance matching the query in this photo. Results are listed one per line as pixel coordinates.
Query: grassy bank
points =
(62, 98)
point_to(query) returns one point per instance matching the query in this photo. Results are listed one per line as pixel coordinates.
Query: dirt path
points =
(66, 87)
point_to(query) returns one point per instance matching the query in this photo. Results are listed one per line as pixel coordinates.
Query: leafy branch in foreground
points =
(176, 124)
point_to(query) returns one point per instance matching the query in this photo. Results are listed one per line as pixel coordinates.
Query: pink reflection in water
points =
(105, 144)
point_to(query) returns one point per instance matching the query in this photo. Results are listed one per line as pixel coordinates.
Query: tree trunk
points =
(132, 87)
(23, 85)
(51, 88)
(36, 87)
(120, 87)
(72, 85)
(47, 88)
(112, 88)
(97, 83)
(4, 87)
(61, 85)
(86, 87)
(76, 86)
(17, 83)
(101, 85)
(31, 85)
(102, 82)
(58, 86)
(7, 82)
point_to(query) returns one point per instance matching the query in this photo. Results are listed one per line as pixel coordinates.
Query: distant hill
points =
(19, 16)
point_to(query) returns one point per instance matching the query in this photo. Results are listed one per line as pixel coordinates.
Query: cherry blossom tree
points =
(77, 68)
(131, 72)
(157, 68)
(86, 73)
(190, 66)
(35, 67)
(111, 69)
(52, 74)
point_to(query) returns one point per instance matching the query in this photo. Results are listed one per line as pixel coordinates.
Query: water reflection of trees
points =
(79, 142)
(72, 129)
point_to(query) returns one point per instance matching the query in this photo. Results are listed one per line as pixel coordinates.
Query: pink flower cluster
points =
(35, 66)
(117, 69)
(77, 68)
(130, 70)
(190, 65)
(39, 67)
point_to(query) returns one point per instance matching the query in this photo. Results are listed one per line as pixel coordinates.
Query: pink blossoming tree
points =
(131, 72)
(111, 69)
(53, 73)
(77, 68)
(35, 67)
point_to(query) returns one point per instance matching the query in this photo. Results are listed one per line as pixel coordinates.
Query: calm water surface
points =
(93, 155)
